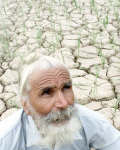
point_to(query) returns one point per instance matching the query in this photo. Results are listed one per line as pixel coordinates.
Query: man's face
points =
(51, 106)
(51, 90)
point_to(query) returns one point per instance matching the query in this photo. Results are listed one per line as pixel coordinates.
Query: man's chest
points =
(79, 144)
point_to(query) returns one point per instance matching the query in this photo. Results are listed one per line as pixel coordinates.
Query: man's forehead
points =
(50, 76)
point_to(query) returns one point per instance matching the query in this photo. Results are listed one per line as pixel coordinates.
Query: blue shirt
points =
(18, 132)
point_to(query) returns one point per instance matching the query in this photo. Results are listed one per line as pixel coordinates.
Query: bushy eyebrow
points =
(69, 83)
(47, 88)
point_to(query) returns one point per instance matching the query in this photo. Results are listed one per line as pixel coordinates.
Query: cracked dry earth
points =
(83, 34)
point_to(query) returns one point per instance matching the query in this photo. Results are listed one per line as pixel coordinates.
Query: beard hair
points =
(52, 131)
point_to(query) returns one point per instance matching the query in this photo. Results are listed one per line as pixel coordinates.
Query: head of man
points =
(48, 97)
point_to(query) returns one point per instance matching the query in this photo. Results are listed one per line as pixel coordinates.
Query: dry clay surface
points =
(83, 34)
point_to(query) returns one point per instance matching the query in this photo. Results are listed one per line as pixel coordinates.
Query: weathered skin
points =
(51, 90)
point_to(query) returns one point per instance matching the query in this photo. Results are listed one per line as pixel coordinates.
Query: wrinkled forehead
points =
(49, 77)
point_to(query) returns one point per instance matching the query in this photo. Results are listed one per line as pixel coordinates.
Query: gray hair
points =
(43, 63)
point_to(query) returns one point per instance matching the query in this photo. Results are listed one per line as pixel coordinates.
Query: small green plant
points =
(92, 3)
(93, 91)
(100, 54)
(78, 46)
(58, 39)
(39, 37)
(97, 71)
(117, 104)
(111, 39)
(30, 5)
(117, 16)
(93, 37)
(94, 87)
(65, 9)
(75, 3)
(5, 53)
(52, 47)
(105, 21)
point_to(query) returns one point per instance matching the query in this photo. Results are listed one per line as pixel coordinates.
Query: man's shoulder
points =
(90, 118)
(10, 123)
(84, 112)
(97, 129)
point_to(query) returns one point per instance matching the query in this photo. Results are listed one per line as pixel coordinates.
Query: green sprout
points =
(75, 3)
(79, 46)
(117, 104)
(105, 21)
(39, 37)
(97, 71)
(92, 3)
(100, 54)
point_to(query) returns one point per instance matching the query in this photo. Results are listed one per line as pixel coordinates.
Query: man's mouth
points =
(60, 122)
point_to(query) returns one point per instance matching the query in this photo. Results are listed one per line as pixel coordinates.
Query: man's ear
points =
(25, 106)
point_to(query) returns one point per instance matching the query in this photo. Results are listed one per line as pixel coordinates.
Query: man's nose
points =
(61, 101)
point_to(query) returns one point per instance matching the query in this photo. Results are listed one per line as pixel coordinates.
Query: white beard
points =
(55, 134)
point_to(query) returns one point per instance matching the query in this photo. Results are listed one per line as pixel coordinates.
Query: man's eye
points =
(66, 87)
(46, 91)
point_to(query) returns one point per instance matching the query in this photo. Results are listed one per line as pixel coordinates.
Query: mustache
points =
(60, 115)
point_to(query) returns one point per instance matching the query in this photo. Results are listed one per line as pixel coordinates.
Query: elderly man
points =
(50, 119)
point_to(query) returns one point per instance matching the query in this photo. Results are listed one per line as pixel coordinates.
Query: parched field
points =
(83, 34)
